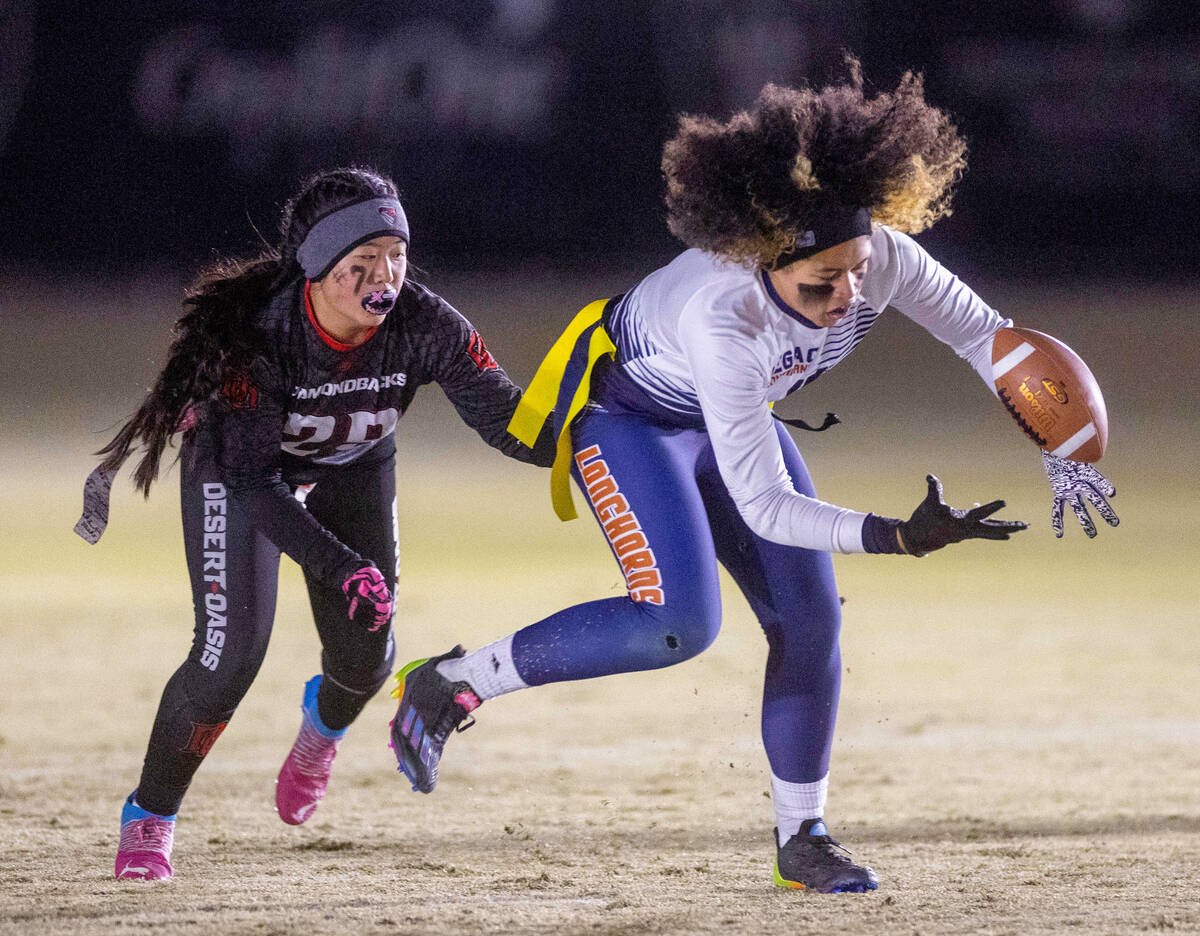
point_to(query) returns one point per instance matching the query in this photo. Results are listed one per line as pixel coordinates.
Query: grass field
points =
(1019, 741)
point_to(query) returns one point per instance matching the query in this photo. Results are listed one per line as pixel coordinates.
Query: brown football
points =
(1049, 391)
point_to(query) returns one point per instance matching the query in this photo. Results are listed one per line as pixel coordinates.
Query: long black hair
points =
(216, 335)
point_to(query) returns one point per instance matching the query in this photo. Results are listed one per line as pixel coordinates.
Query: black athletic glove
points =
(934, 524)
(1072, 483)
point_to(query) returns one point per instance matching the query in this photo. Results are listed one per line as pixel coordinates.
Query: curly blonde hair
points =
(745, 189)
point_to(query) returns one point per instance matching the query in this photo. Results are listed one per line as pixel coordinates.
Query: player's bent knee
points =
(685, 634)
(804, 640)
(215, 689)
(361, 680)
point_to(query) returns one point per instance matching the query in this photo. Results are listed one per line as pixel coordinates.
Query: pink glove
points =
(370, 601)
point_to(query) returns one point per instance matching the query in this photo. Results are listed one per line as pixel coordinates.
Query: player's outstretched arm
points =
(1074, 483)
(935, 524)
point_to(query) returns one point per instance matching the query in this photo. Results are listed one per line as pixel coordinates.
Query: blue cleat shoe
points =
(431, 708)
(812, 859)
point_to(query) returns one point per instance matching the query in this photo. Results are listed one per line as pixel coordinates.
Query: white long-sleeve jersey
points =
(707, 337)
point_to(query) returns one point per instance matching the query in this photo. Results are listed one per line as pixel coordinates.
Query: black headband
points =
(834, 226)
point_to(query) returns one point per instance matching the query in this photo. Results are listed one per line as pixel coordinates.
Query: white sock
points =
(488, 670)
(795, 802)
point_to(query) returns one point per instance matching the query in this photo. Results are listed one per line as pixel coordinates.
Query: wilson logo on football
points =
(1055, 390)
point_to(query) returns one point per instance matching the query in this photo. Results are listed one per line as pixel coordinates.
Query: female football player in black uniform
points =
(286, 377)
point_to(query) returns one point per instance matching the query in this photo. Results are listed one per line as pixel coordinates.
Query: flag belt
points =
(560, 388)
(559, 391)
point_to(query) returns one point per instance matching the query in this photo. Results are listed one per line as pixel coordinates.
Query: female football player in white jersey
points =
(797, 215)
(287, 377)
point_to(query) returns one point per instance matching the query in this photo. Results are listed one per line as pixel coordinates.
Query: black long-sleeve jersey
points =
(312, 404)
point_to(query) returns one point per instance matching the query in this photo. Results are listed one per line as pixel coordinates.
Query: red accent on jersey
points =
(479, 353)
(324, 335)
(202, 739)
(238, 391)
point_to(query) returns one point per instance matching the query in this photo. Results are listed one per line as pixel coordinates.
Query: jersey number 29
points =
(336, 439)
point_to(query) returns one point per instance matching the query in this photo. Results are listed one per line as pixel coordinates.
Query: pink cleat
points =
(146, 840)
(305, 774)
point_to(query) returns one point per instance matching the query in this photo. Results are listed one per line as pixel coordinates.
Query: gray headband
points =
(339, 232)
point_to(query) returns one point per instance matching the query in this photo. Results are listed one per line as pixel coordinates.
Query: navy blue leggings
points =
(669, 520)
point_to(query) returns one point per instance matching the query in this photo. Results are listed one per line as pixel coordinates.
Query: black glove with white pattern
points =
(1073, 483)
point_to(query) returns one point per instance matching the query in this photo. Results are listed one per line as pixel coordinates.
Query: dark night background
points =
(136, 135)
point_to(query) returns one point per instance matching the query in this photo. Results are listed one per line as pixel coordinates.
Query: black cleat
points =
(431, 707)
(811, 859)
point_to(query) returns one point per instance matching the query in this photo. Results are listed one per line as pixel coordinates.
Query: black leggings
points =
(234, 572)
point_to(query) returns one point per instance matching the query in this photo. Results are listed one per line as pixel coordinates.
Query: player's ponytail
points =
(216, 333)
(213, 333)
